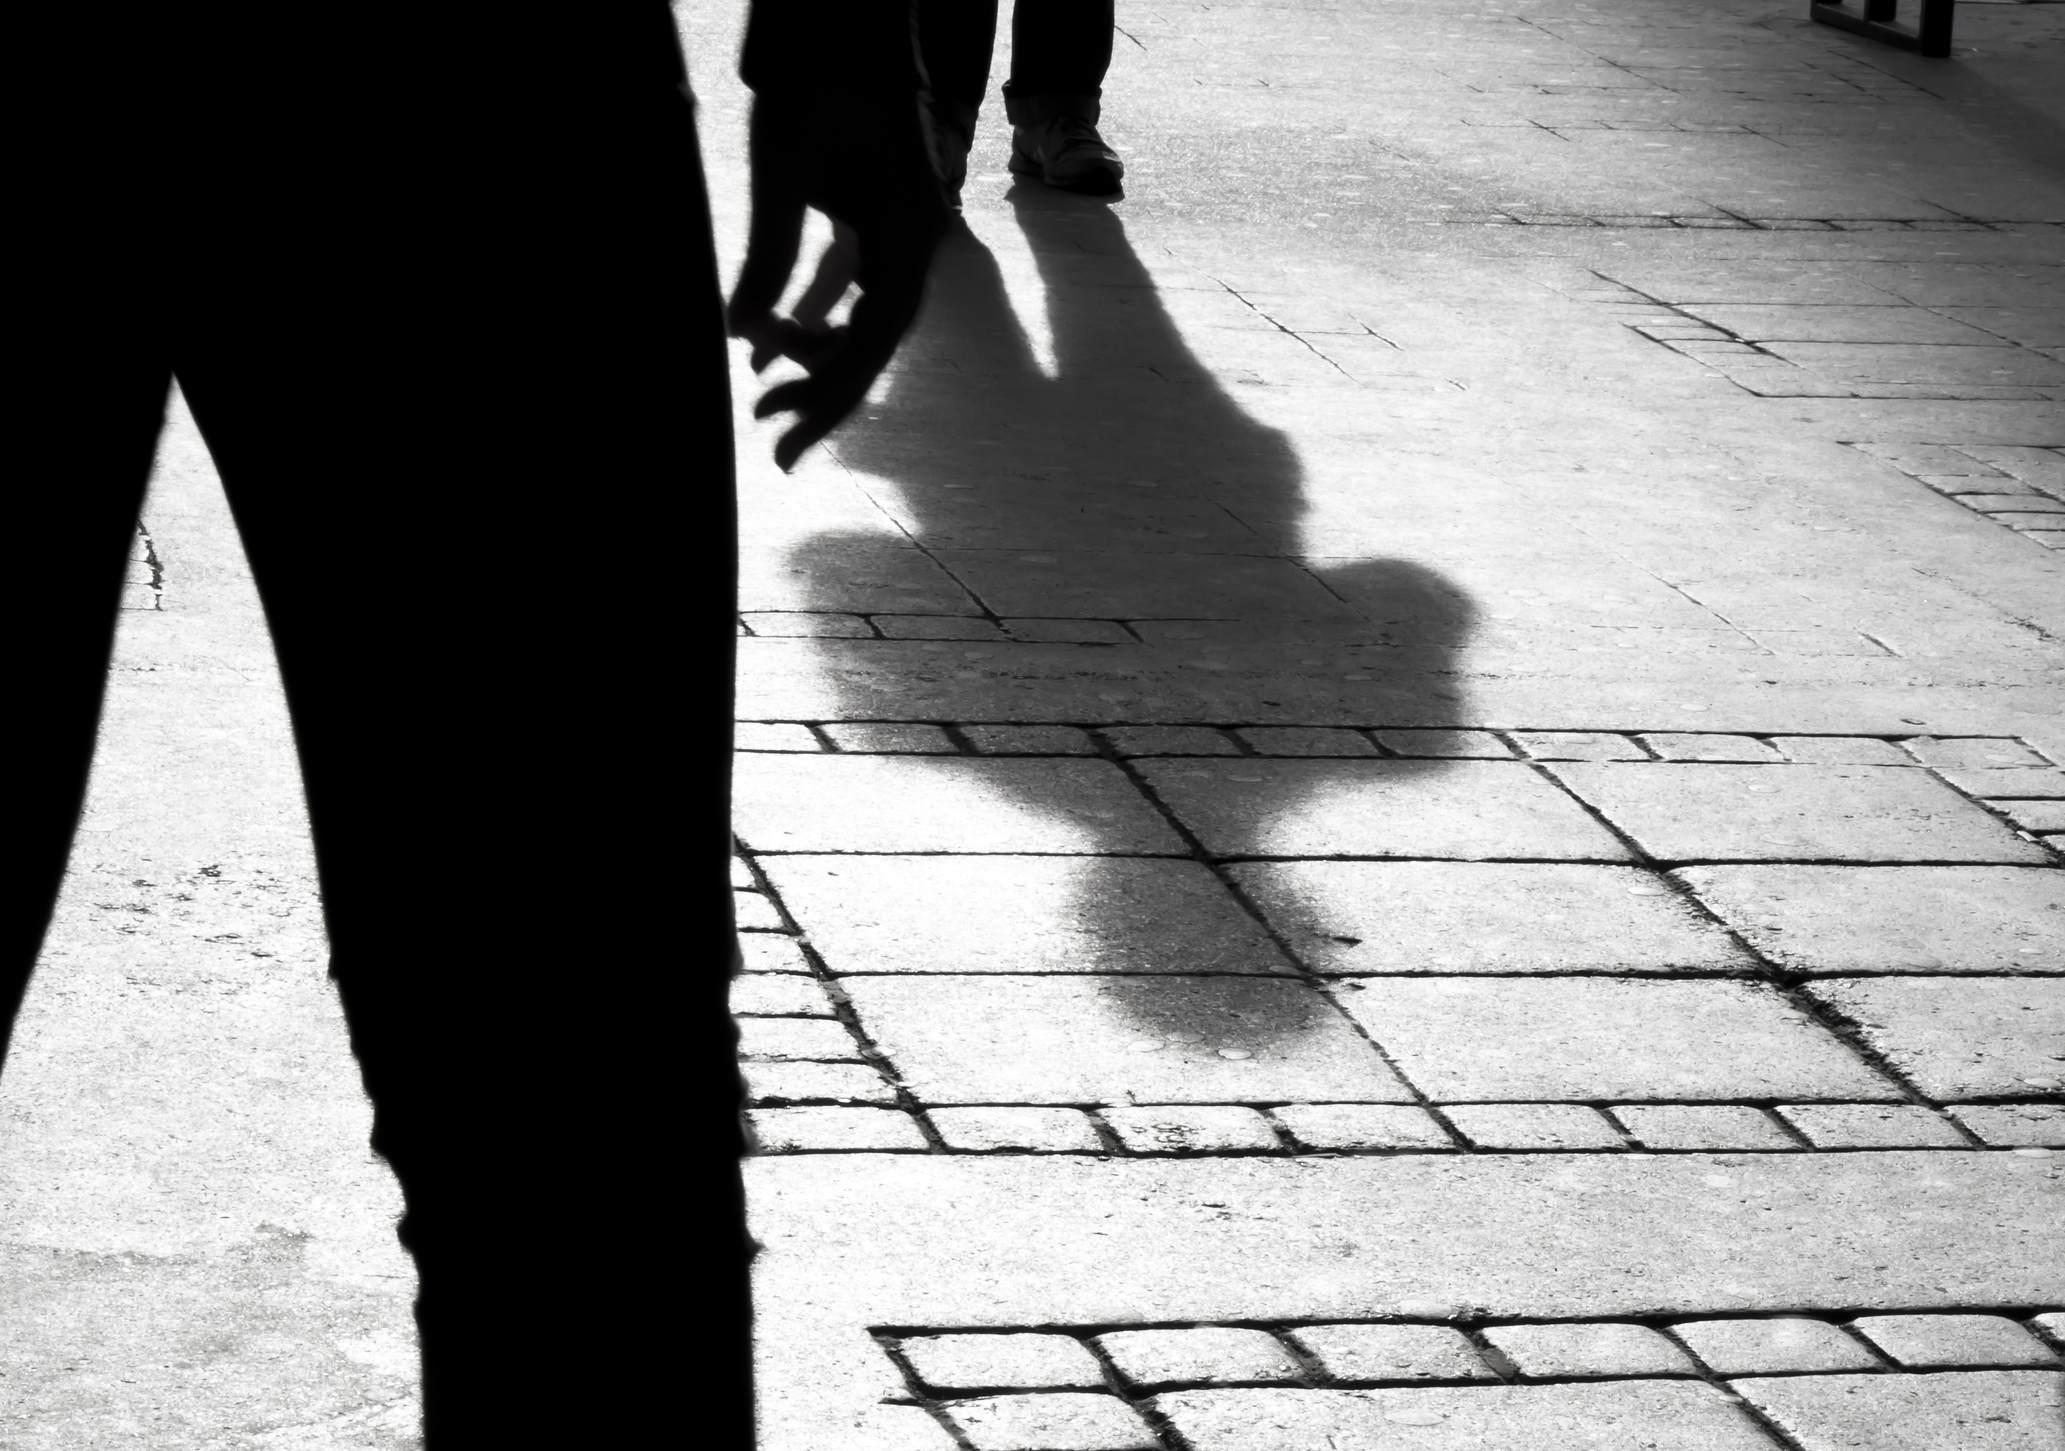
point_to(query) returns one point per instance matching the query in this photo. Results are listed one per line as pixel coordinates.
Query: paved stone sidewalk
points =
(1403, 792)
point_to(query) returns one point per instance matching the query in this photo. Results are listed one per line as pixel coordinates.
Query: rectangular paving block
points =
(1552, 1352)
(948, 804)
(2011, 783)
(1029, 740)
(1365, 1127)
(1579, 746)
(1971, 753)
(1446, 745)
(816, 1082)
(1872, 1126)
(779, 994)
(2038, 816)
(2015, 1125)
(1719, 1127)
(1485, 917)
(1981, 1410)
(1038, 1130)
(1533, 1127)
(1119, 1040)
(1893, 919)
(1961, 1037)
(753, 735)
(1392, 808)
(752, 912)
(1059, 1421)
(1192, 1129)
(1021, 1362)
(1682, 746)
(1608, 1416)
(1170, 741)
(1306, 741)
(1054, 1239)
(1020, 914)
(1392, 1352)
(816, 1040)
(831, 1130)
(1208, 1355)
(1933, 1342)
(1774, 1345)
(1841, 751)
(1462, 1039)
(765, 952)
(1693, 811)
(874, 737)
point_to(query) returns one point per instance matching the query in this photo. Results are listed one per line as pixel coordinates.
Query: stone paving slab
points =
(1781, 1343)
(1098, 1040)
(1064, 1422)
(2024, 1125)
(1623, 1416)
(1928, 1342)
(1458, 809)
(1392, 1352)
(1558, 1352)
(1489, 917)
(1464, 1039)
(1002, 1362)
(1700, 812)
(1893, 919)
(1059, 1240)
(915, 804)
(1961, 1037)
(1020, 914)
(2003, 1410)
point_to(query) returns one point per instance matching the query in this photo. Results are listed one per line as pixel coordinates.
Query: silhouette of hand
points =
(862, 160)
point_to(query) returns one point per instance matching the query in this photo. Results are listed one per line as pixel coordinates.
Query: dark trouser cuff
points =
(1024, 110)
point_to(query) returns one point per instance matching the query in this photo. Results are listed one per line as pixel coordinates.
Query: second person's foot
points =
(1067, 152)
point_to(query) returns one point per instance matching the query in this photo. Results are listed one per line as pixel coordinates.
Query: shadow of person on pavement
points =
(1127, 485)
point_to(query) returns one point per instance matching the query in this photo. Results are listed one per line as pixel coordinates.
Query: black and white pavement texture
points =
(1402, 792)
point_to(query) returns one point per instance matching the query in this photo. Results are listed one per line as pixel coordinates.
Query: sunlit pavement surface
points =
(1401, 792)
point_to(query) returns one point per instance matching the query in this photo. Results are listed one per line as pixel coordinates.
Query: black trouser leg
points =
(955, 38)
(489, 511)
(1060, 50)
(472, 421)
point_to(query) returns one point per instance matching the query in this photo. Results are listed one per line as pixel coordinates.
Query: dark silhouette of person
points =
(1060, 50)
(438, 284)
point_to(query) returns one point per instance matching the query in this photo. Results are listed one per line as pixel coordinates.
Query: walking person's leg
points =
(955, 39)
(1060, 51)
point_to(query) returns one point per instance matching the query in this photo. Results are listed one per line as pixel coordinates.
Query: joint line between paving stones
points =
(847, 1017)
(1316, 983)
(891, 1345)
(1804, 1003)
(1742, 1403)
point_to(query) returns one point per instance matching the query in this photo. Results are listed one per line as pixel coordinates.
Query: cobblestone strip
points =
(2022, 488)
(820, 1084)
(1104, 1386)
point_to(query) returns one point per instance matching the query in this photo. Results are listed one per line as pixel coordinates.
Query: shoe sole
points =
(1093, 181)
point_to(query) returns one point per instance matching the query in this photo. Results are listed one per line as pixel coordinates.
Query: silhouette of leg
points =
(460, 362)
(502, 609)
(955, 38)
(1060, 50)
